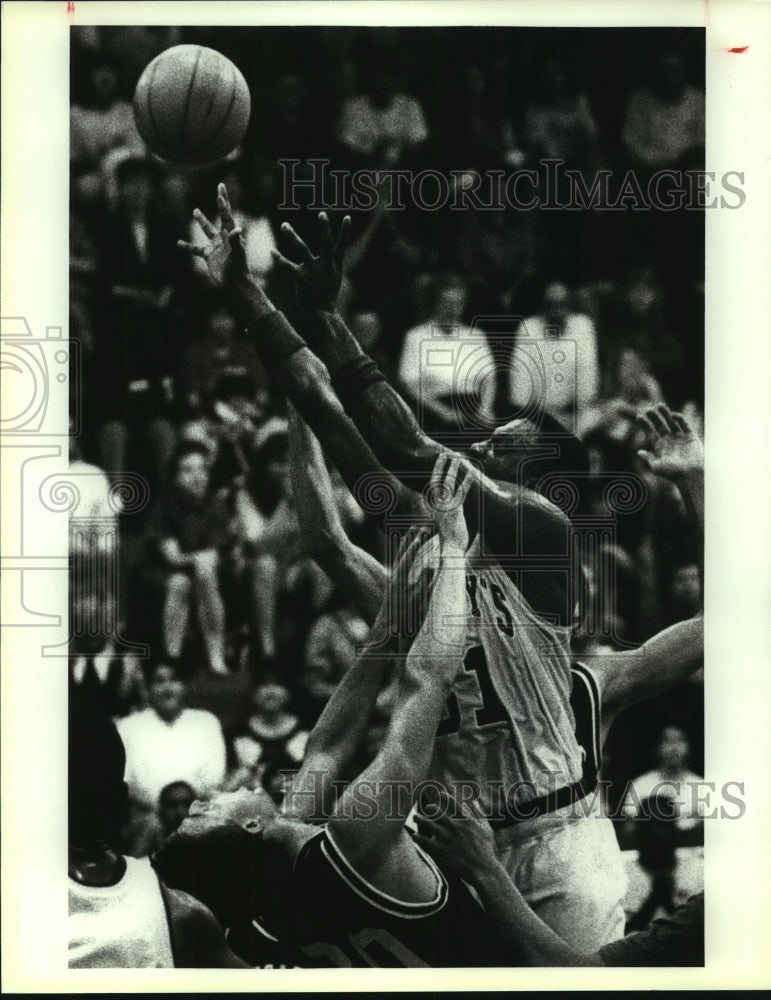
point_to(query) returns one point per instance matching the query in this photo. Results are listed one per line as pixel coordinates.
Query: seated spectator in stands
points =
(217, 362)
(105, 121)
(480, 133)
(98, 672)
(558, 120)
(167, 742)
(330, 652)
(664, 123)
(447, 368)
(258, 235)
(190, 533)
(272, 742)
(173, 805)
(554, 364)
(381, 126)
(132, 391)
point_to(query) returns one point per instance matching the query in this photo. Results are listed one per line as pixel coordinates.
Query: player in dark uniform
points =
(357, 891)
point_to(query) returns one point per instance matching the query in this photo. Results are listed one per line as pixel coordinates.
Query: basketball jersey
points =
(337, 919)
(508, 720)
(122, 926)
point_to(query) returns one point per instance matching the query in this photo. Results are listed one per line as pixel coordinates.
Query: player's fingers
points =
(191, 248)
(647, 426)
(325, 229)
(658, 422)
(341, 243)
(465, 479)
(280, 259)
(223, 204)
(298, 245)
(682, 424)
(646, 456)
(666, 415)
(204, 223)
(451, 476)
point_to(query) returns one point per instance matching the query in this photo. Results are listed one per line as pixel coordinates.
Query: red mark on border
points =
(70, 6)
(739, 49)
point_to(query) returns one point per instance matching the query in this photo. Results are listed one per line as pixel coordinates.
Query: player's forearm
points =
(524, 935)
(691, 488)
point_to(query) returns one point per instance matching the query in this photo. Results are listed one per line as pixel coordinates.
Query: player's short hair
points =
(97, 761)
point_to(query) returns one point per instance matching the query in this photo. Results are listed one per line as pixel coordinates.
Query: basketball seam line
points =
(209, 109)
(186, 111)
(150, 113)
(223, 122)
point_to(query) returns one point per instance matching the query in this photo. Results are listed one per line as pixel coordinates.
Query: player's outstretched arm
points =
(676, 453)
(461, 839)
(301, 375)
(337, 735)
(368, 825)
(358, 574)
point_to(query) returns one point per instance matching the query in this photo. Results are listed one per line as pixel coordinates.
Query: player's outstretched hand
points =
(223, 251)
(457, 834)
(674, 450)
(450, 483)
(317, 279)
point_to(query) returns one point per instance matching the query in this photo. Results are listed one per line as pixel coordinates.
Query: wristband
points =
(276, 338)
(353, 377)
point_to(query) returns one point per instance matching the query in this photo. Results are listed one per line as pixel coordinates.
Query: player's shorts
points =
(570, 871)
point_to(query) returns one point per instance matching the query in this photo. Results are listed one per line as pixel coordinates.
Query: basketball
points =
(192, 105)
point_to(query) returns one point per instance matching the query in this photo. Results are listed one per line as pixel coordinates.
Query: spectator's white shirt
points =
(362, 126)
(191, 749)
(678, 796)
(556, 373)
(434, 365)
(659, 132)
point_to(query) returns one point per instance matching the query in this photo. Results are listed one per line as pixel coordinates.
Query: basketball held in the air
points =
(192, 105)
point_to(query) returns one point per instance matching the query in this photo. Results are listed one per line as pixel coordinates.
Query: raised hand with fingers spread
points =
(224, 251)
(674, 450)
(317, 279)
(447, 491)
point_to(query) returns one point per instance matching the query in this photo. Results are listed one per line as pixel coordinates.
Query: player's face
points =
(502, 453)
(251, 810)
(175, 807)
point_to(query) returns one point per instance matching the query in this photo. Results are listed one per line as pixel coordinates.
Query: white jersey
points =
(122, 926)
(509, 720)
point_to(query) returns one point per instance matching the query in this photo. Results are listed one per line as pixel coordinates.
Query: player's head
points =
(225, 854)
(449, 298)
(673, 747)
(166, 690)
(522, 453)
(555, 303)
(97, 760)
(173, 805)
(189, 470)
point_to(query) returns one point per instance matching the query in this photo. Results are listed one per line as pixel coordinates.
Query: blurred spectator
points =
(558, 120)
(554, 364)
(664, 121)
(93, 524)
(288, 127)
(98, 672)
(447, 368)
(382, 124)
(189, 531)
(105, 121)
(481, 131)
(219, 365)
(272, 742)
(173, 805)
(330, 652)
(167, 742)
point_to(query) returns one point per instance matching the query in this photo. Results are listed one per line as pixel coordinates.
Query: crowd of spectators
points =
(241, 625)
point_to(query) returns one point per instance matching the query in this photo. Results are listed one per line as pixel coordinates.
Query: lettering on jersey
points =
(491, 712)
(372, 946)
(472, 582)
(505, 624)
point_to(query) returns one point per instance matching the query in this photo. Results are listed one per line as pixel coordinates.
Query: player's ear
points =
(254, 825)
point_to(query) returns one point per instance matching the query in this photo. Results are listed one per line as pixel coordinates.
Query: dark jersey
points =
(336, 919)
(585, 703)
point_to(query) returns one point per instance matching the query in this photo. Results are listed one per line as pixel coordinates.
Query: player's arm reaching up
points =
(675, 453)
(368, 825)
(295, 369)
(358, 574)
(337, 735)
